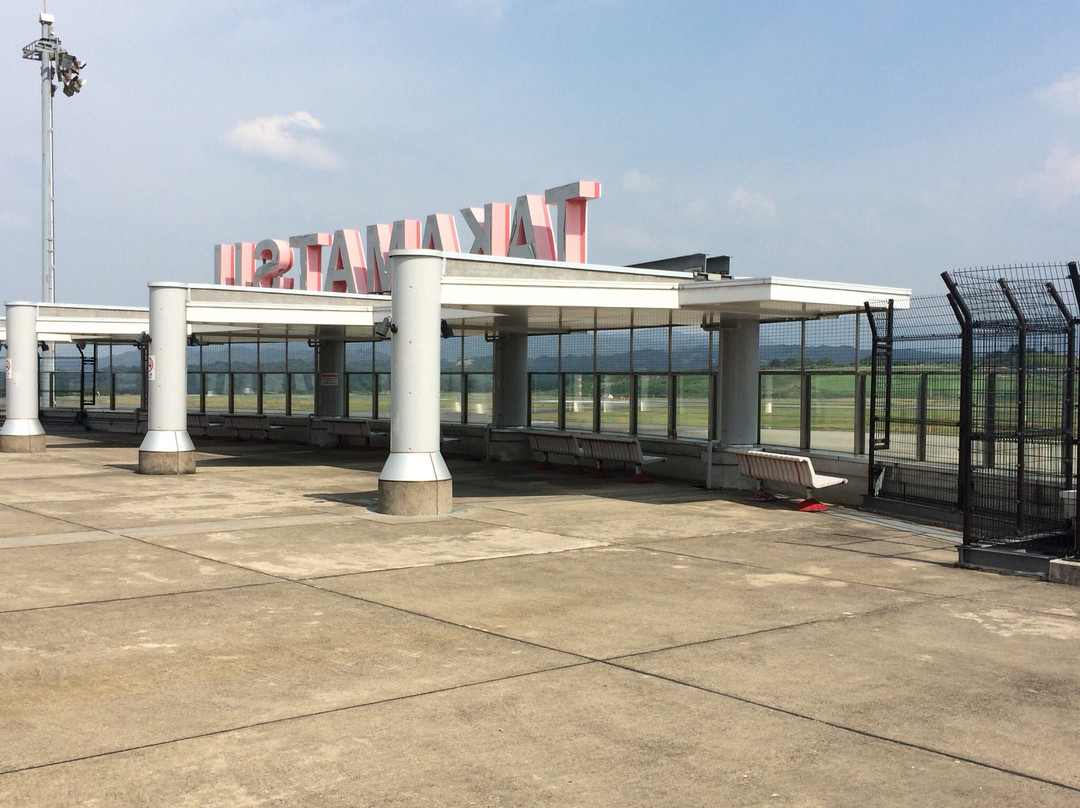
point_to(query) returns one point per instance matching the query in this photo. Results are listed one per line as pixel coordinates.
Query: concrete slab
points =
(586, 736)
(360, 545)
(960, 676)
(614, 601)
(94, 679)
(767, 657)
(82, 572)
(906, 565)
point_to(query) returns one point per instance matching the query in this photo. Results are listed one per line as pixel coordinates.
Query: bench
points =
(782, 468)
(200, 420)
(342, 428)
(560, 443)
(248, 423)
(618, 448)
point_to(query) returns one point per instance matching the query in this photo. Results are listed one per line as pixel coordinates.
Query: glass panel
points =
(578, 390)
(273, 390)
(128, 390)
(272, 357)
(692, 406)
(479, 396)
(359, 394)
(450, 396)
(301, 359)
(832, 412)
(577, 352)
(652, 404)
(544, 353)
(615, 403)
(778, 416)
(303, 392)
(245, 392)
(476, 355)
(382, 358)
(383, 383)
(689, 349)
(544, 400)
(217, 391)
(194, 387)
(780, 346)
(215, 358)
(244, 357)
(359, 357)
(451, 354)
(651, 350)
(613, 351)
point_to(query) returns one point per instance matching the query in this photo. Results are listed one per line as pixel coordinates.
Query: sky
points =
(864, 142)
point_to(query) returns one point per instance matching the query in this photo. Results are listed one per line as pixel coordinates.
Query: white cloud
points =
(1059, 179)
(757, 206)
(1063, 95)
(285, 138)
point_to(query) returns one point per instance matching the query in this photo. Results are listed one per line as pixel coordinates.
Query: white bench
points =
(559, 443)
(248, 422)
(617, 448)
(342, 428)
(782, 468)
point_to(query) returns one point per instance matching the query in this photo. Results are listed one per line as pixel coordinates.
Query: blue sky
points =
(876, 142)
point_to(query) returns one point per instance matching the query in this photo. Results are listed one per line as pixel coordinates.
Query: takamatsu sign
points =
(524, 232)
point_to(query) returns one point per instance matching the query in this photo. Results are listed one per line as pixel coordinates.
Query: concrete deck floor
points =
(253, 635)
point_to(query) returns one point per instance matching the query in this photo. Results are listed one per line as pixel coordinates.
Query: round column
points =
(415, 480)
(510, 363)
(167, 447)
(22, 430)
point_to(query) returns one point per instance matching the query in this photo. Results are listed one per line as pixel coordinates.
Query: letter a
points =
(530, 234)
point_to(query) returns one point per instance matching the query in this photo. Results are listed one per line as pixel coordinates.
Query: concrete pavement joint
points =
(843, 728)
(297, 717)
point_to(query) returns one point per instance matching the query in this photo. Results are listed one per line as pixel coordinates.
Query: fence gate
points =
(914, 419)
(1018, 406)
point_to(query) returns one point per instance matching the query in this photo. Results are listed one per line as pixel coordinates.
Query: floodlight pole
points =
(46, 50)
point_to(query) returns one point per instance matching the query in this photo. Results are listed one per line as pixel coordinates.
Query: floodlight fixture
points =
(385, 328)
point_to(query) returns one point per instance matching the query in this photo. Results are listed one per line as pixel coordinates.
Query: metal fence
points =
(1018, 401)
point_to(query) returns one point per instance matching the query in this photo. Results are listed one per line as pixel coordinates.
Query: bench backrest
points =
(234, 421)
(779, 468)
(553, 442)
(347, 427)
(611, 447)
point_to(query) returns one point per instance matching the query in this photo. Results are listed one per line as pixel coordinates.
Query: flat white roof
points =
(483, 293)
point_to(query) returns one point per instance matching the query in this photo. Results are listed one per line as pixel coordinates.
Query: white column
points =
(415, 480)
(738, 416)
(167, 447)
(22, 430)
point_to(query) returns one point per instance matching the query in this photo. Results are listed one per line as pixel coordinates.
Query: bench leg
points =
(638, 476)
(599, 472)
(761, 495)
(810, 504)
(577, 468)
(545, 464)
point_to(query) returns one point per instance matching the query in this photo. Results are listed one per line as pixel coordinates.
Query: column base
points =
(415, 498)
(22, 444)
(166, 462)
